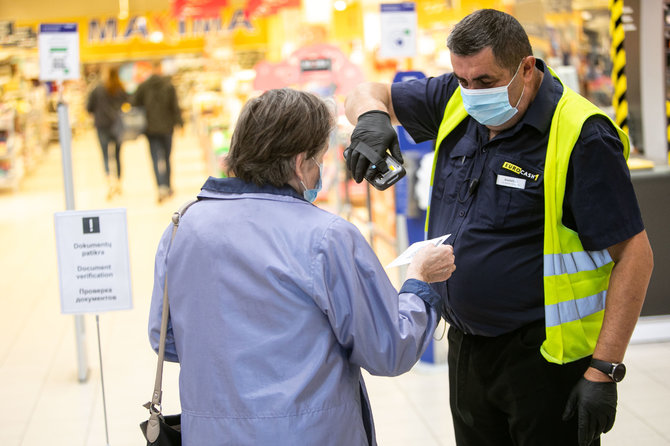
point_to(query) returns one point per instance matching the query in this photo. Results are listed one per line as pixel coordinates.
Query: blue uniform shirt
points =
(497, 230)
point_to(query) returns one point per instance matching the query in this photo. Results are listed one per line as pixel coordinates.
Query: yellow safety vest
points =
(575, 280)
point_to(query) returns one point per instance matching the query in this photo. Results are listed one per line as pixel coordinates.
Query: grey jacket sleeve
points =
(385, 331)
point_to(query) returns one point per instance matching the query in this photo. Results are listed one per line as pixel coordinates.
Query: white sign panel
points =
(58, 45)
(93, 261)
(398, 28)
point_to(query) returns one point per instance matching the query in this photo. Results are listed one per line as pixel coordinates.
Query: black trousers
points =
(160, 147)
(503, 392)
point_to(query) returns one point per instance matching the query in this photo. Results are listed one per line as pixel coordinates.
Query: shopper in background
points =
(159, 98)
(554, 262)
(275, 304)
(104, 102)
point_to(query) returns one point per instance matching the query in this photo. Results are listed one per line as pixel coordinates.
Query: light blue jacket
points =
(275, 304)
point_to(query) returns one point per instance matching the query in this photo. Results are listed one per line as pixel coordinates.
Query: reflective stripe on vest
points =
(575, 280)
(572, 310)
(573, 262)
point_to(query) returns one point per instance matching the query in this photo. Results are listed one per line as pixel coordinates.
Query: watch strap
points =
(607, 368)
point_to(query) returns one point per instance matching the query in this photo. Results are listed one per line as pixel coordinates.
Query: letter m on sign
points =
(98, 32)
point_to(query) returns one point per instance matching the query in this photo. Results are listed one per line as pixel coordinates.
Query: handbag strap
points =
(155, 404)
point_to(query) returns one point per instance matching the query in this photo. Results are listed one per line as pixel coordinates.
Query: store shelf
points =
(11, 159)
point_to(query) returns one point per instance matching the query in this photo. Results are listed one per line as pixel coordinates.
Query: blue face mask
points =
(310, 194)
(490, 106)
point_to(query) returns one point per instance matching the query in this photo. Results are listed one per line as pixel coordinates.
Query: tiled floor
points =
(41, 400)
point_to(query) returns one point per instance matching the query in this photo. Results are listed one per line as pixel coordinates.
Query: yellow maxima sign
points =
(158, 33)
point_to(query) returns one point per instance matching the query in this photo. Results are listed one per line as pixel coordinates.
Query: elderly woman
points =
(276, 304)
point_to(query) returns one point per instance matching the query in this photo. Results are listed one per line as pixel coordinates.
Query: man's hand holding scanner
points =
(432, 264)
(374, 129)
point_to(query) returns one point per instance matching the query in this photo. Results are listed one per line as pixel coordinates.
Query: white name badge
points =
(517, 183)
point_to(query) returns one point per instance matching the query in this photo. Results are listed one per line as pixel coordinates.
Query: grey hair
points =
(495, 29)
(272, 130)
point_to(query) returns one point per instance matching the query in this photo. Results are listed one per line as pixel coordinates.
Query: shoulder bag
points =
(159, 429)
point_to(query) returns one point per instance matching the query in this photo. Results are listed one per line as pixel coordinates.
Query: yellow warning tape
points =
(618, 55)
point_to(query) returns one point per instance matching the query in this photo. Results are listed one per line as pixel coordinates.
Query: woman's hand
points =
(432, 264)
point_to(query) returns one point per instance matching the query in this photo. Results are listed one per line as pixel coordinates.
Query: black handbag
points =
(159, 429)
(169, 430)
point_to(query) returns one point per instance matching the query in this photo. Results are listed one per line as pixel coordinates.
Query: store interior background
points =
(220, 58)
(221, 52)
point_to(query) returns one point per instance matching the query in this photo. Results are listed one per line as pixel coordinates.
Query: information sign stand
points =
(102, 380)
(93, 267)
(58, 46)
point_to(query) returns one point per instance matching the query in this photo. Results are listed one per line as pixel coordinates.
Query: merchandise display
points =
(11, 159)
(23, 132)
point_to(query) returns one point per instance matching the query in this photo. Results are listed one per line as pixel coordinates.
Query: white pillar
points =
(652, 81)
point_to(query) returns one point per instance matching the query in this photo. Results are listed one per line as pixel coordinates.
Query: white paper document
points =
(406, 256)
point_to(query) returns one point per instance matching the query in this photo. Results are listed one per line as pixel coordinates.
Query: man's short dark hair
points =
(491, 28)
(272, 129)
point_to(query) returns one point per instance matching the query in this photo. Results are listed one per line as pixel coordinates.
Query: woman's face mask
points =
(310, 194)
(490, 106)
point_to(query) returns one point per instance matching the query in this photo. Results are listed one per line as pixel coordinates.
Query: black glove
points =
(595, 406)
(374, 129)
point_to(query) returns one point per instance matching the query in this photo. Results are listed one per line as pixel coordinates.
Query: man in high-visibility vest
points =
(553, 259)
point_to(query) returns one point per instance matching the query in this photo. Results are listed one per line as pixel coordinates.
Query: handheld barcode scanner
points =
(381, 179)
(394, 173)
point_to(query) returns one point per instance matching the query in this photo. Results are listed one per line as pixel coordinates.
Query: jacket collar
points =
(541, 110)
(238, 186)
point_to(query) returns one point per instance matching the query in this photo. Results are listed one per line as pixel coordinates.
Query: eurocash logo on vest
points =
(93, 261)
(106, 30)
(519, 171)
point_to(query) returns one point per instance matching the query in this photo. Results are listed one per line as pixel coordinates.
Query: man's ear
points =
(527, 69)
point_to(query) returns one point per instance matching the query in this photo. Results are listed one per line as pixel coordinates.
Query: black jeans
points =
(161, 147)
(106, 137)
(503, 392)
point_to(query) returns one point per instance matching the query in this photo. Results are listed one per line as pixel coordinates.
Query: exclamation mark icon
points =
(91, 225)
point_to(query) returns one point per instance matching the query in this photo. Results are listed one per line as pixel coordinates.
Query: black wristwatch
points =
(615, 370)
